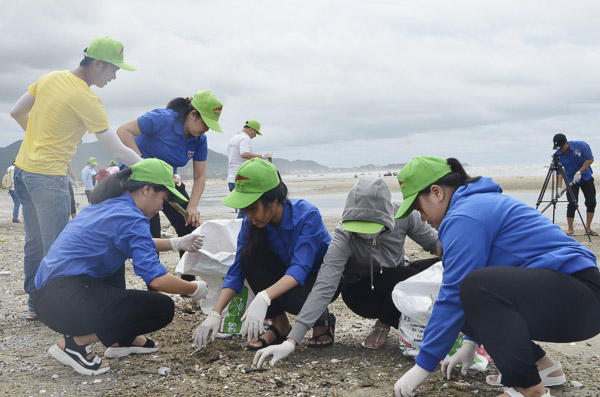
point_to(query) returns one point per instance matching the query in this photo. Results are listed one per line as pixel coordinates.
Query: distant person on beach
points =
(72, 181)
(80, 288)
(577, 158)
(511, 277)
(55, 112)
(367, 255)
(177, 135)
(88, 174)
(10, 171)
(239, 150)
(113, 167)
(280, 249)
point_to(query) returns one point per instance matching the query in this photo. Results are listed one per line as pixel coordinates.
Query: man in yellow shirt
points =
(55, 113)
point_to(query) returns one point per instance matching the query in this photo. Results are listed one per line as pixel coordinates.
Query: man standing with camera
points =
(577, 158)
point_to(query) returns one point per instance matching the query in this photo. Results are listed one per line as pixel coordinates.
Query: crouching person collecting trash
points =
(368, 251)
(280, 248)
(80, 285)
(510, 277)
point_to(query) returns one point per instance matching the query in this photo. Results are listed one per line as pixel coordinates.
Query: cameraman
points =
(576, 157)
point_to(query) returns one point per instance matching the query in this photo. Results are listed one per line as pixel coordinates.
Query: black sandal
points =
(279, 339)
(76, 357)
(330, 332)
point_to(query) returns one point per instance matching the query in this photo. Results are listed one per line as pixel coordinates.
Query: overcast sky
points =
(343, 83)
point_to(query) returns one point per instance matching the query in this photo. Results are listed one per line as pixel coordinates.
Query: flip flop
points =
(380, 331)
(279, 339)
(592, 233)
(513, 393)
(570, 234)
(124, 351)
(547, 381)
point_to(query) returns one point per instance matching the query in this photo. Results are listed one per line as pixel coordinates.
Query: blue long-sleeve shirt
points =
(300, 241)
(87, 174)
(485, 228)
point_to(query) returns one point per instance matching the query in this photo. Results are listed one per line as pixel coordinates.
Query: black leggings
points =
(589, 194)
(377, 302)
(265, 269)
(507, 307)
(81, 305)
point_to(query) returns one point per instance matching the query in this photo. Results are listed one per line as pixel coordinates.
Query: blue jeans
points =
(240, 211)
(16, 204)
(46, 208)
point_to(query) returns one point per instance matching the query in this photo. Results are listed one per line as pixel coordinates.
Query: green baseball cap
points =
(158, 172)
(254, 124)
(362, 227)
(112, 162)
(209, 107)
(92, 160)
(419, 173)
(108, 50)
(253, 178)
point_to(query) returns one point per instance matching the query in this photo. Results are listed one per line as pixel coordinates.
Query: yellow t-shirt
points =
(64, 108)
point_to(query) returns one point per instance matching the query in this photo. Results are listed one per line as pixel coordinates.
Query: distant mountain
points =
(216, 166)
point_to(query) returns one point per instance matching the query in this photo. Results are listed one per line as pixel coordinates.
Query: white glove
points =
(464, 356)
(413, 378)
(278, 352)
(201, 290)
(255, 315)
(577, 177)
(209, 325)
(177, 179)
(190, 243)
(267, 155)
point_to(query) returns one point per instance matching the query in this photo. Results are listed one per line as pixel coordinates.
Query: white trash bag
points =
(211, 264)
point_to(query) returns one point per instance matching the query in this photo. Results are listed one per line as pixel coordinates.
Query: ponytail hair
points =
(119, 183)
(182, 106)
(458, 177)
(257, 237)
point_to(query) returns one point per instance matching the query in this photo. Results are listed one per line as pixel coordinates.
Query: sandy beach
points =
(347, 369)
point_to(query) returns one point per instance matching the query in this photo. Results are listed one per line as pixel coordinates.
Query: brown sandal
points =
(380, 334)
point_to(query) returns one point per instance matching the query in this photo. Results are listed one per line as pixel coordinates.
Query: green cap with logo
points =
(255, 125)
(253, 178)
(419, 173)
(92, 160)
(158, 172)
(108, 50)
(209, 107)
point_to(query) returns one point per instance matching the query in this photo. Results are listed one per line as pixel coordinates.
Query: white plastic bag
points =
(414, 298)
(211, 264)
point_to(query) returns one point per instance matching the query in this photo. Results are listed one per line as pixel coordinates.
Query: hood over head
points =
(369, 200)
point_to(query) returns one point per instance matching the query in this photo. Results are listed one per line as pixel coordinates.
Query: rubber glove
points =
(255, 315)
(413, 378)
(577, 177)
(464, 356)
(279, 352)
(267, 155)
(201, 290)
(210, 325)
(190, 243)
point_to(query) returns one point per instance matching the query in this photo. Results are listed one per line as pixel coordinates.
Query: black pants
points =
(508, 307)
(263, 270)
(589, 193)
(81, 305)
(73, 205)
(88, 194)
(377, 302)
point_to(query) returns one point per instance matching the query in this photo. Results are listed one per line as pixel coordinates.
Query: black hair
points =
(86, 61)
(117, 184)
(257, 237)
(458, 177)
(182, 106)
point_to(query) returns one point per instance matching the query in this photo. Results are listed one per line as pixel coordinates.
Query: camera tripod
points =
(554, 168)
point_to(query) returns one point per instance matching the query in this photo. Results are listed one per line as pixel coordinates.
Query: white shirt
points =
(238, 145)
(11, 172)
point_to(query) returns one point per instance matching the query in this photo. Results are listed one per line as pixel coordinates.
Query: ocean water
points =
(332, 204)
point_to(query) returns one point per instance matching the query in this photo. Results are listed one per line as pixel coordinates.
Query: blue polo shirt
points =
(163, 138)
(572, 160)
(300, 241)
(99, 240)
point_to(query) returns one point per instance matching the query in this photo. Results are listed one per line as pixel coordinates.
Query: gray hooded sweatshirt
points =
(355, 257)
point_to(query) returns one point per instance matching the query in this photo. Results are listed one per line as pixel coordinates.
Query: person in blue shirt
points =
(280, 249)
(80, 285)
(176, 135)
(510, 277)
(88, 174)
(577, 158)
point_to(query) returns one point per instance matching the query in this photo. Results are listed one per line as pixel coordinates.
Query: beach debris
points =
(3, 239)
(164, 371)
(576, 384)
(250, 370)
(224, 371)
